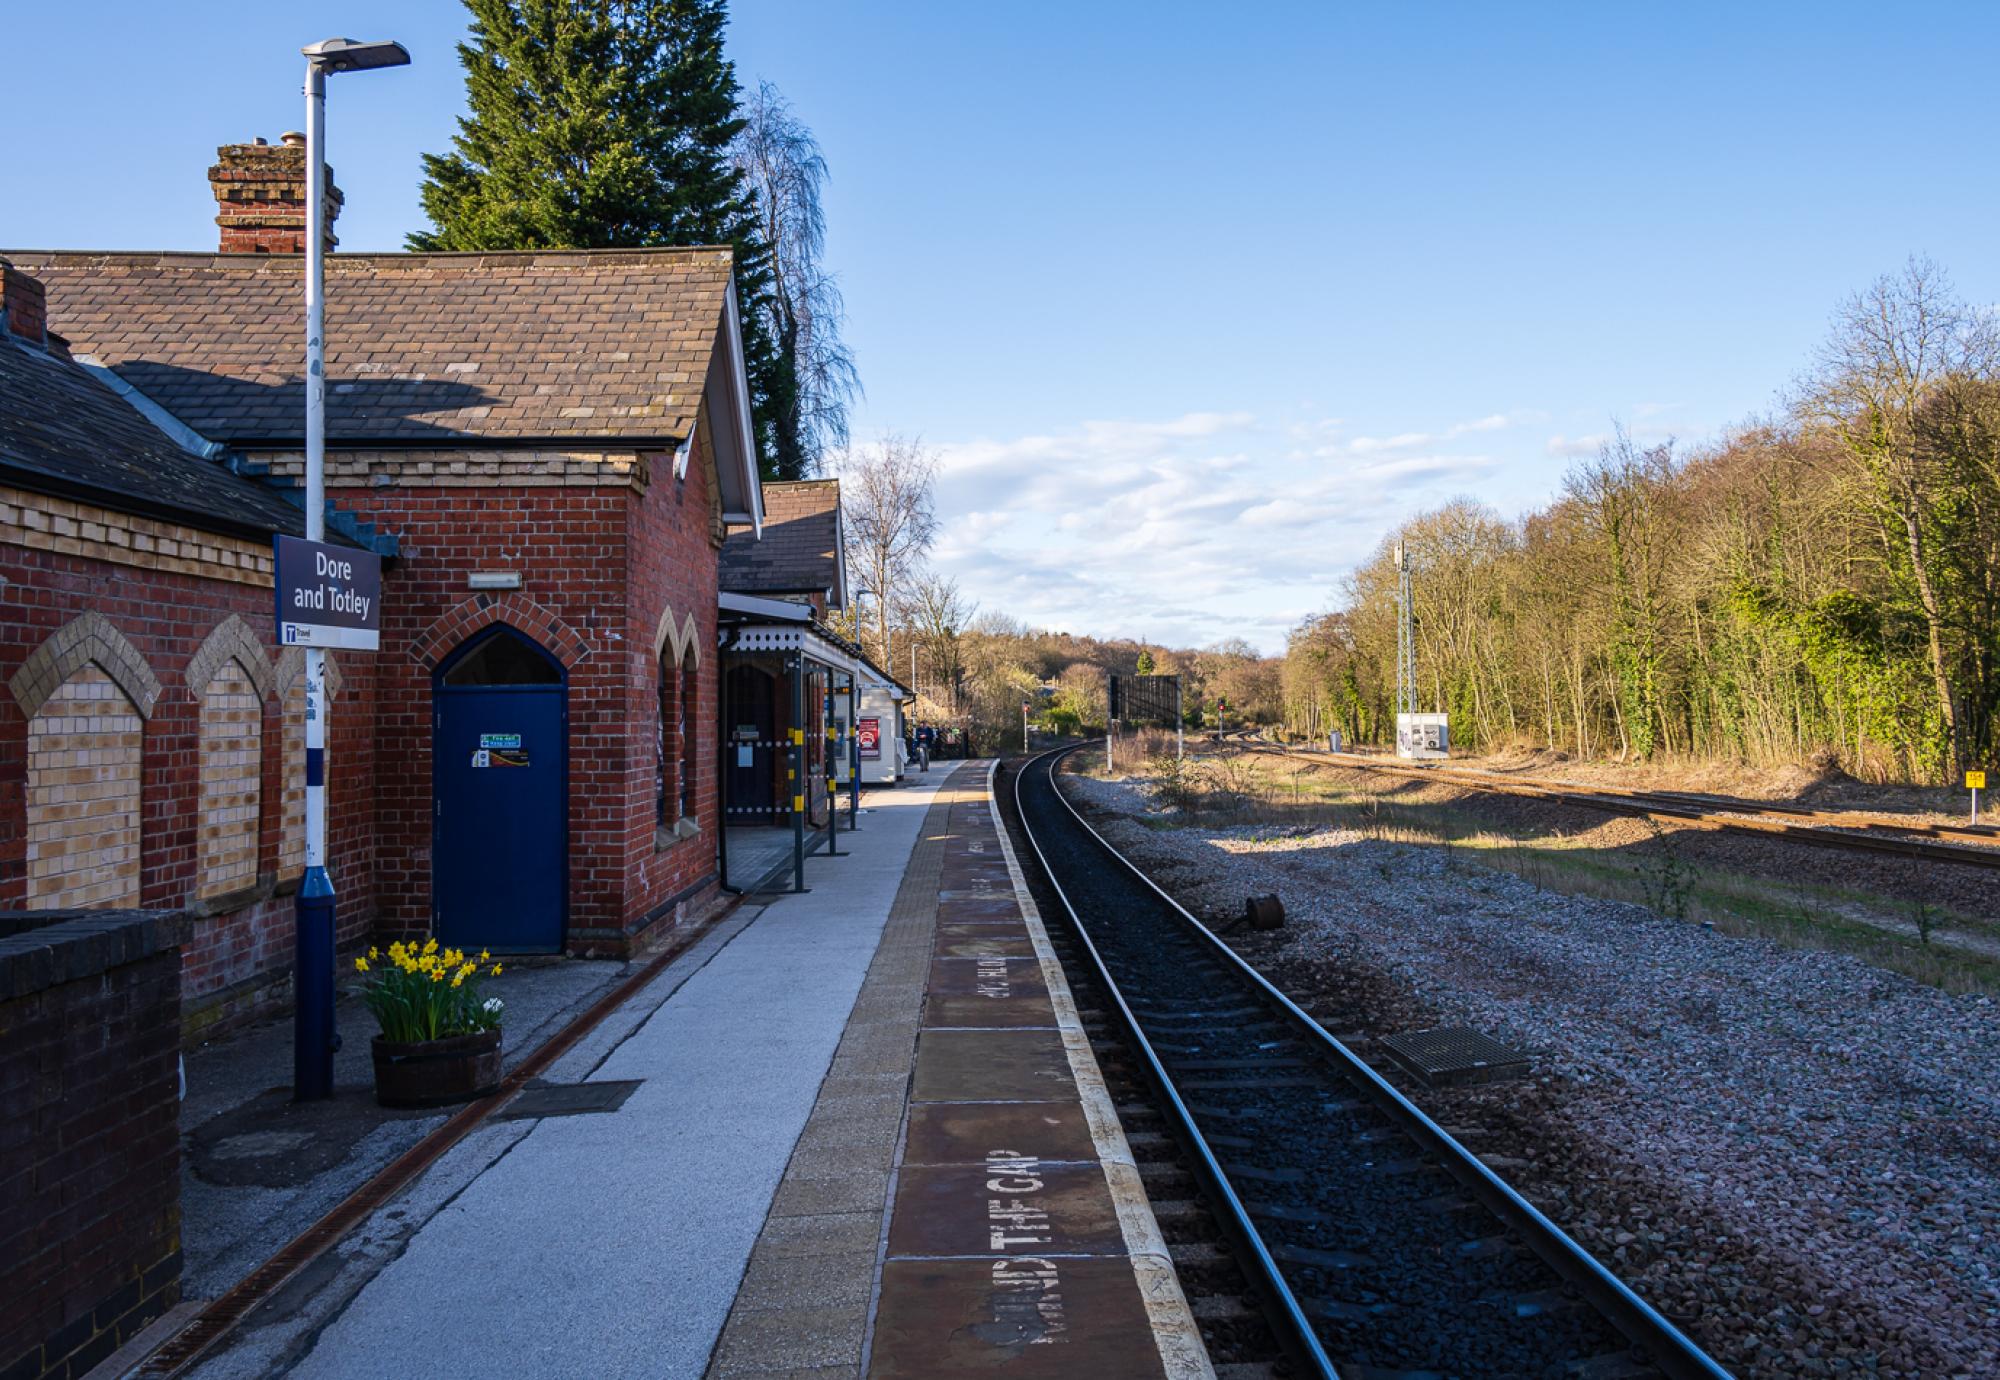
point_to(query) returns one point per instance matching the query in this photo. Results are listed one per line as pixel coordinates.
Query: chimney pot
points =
(23, 305)
(260, 197)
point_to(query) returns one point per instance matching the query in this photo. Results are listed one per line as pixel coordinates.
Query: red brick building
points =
(548, 449)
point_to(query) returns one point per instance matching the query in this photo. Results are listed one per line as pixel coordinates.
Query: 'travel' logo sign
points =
(328, 596)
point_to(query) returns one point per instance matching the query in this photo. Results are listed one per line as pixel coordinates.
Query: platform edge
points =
(1183, 1355)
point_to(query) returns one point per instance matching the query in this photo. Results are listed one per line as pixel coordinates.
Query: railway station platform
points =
(855, 1131)
(961, 1200)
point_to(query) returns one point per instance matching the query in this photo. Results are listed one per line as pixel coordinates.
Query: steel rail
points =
(1683, 810)
(1664, 1344)
(1288, 1320)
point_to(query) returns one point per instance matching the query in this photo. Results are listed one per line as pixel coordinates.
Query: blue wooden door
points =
(500, 823)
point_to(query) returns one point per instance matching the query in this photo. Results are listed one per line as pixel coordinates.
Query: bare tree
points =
(937, 615)
(1894, 348)
(782, 163)
(890, 518)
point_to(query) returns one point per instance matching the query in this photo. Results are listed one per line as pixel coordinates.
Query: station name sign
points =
(328, 596)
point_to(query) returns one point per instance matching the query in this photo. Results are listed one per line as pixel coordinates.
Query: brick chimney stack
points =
(22, 305)
(260, 197)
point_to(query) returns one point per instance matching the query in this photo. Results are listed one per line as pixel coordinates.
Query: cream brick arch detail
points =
(232, 638)
(457, 625)
(292, 665)
(85, 742)
(292, 744)
(88, 639)
(684, 638)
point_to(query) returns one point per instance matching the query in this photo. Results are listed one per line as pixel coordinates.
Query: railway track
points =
(1226, 1307)
(1381, 1248)
(1972, 846)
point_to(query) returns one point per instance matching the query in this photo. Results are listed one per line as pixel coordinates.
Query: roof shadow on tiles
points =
(64, 432)
(255, 414)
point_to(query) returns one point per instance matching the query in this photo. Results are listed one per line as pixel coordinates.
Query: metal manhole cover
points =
(540, 1099)
(1454, 1054)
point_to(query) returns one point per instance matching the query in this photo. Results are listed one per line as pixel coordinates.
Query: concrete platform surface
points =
(612, 1243)
(857, 1132)
(257, 1167)
(964, 1158)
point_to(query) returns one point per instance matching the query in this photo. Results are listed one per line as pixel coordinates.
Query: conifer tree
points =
(607, 124)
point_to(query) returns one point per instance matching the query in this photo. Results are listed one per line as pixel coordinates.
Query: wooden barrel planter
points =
(437, 1073)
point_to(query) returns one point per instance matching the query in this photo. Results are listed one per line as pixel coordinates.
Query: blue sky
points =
(1196, 301)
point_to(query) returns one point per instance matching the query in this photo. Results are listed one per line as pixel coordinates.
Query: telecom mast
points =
(1406, 638)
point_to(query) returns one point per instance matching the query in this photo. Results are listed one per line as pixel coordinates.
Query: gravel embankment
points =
(1970, 891)
(1789, 1151)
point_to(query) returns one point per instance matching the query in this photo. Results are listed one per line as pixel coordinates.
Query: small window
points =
(690, 696)
(504, 658)
(666, 750)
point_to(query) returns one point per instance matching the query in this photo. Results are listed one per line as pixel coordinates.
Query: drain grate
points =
(1454, 1054)
(541, 1099)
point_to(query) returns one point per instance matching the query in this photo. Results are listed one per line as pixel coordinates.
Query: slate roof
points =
(63, 432)
(800, 549)
(443, 349)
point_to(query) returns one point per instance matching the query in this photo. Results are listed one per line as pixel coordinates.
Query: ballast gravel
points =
(1789, 1152)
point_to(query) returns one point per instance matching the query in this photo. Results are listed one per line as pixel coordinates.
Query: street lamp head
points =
(348, 55)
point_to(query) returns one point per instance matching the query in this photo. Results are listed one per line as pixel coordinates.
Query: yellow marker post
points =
(1975, 781)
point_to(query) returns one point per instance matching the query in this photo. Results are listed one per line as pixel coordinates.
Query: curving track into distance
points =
(1385, 1249)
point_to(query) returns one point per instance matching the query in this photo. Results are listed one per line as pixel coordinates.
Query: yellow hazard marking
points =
(798, 737)
(798, 804)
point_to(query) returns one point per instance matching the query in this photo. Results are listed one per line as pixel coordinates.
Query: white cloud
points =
(1369, 445)
(1112, 441)
(1185, 530)
(1571, 447)
(1424, 467)
(1410, 440)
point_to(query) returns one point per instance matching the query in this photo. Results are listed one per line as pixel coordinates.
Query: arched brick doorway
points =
(500, 795)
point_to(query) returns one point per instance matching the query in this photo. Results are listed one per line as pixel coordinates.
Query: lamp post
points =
(313, 1037)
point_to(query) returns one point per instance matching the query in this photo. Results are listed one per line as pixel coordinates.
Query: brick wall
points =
(600, 563)
(674, 532)
(232, 743)
(610, 548)
(61, 561)
(89, 1136)
(83, 796)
